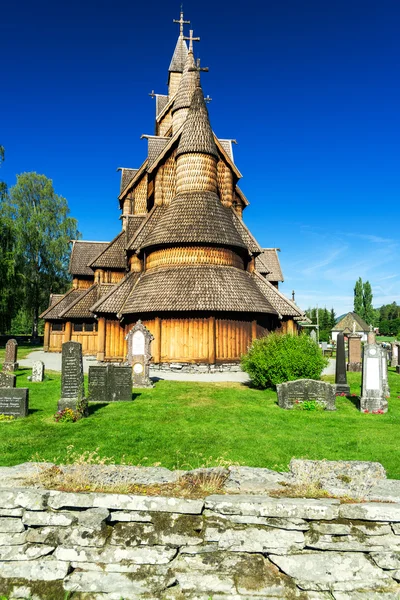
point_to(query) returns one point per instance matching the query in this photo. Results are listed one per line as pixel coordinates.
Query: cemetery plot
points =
(72, 383)
(294, 393)
(14, 402)
(10, 362)
(110, 383)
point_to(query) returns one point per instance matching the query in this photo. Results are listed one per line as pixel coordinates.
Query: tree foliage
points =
(277, 358)
(326, 321)
(358, 297)
(39, 230)
(363, 302)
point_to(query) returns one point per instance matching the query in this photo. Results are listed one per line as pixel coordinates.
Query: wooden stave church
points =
(184, 263)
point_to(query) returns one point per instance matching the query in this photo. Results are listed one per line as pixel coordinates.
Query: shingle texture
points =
(227, 146)
(346, 323)
(161, 103)
(145, 228)
(247, 239)
(114, 300)
(112, 257)
(80, 308)
(155, 146)
(197, 136)
(133, 223)
(267, 263)
(179, 57)
(281, 304)
(197, 288)
(55, 311)
(55, 298)
(82, 254)
(126, 177)
(195, 217)
(187, 85)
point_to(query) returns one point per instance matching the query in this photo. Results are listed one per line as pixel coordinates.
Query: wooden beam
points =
(156, 347)
(253, 330)
(68, 331)
(46, 341)
(211, 340)
(101, 338)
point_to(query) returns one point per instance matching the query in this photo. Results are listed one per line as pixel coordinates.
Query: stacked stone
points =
(114, 546)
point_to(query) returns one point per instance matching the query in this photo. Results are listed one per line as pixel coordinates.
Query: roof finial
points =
(181, 22)
(191, 39)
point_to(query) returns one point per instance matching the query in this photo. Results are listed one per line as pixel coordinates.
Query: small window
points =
(90, 327)
(57, 326)
(78, 326)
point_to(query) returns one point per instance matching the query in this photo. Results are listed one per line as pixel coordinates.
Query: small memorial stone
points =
(374, 380)
(37, 371)
(395, 354)
(355, 363)
(296, 392)
(14, 402)
(10, 361)
(110, 383)
(7, 380)
(72, 383)
(139, 340)
(313, 335)
(341, 375)
(398, 369)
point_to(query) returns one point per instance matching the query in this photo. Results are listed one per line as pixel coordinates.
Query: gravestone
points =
(293, 393)
(395, 354)
(371, 336)
(385, 381)
(355, 362)
(313, 335)
(139, 340)
(398, 369)
(324, 347)
(37, 371)
(72, 384)
(110, 383)
(374, 379)
(7, 380)
(340, 373)
(14, 402)
(10, 361)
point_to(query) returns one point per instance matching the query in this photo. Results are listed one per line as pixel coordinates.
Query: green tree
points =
(368, 310)
(332, 318)
(42, 228)
(359, 298)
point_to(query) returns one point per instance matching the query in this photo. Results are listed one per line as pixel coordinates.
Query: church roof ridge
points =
(177, 63)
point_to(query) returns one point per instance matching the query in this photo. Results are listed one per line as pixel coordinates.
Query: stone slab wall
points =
(226, 547)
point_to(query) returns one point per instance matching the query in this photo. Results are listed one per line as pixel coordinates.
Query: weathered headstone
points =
(14, 402)
(10, 361)
(7, 380)
(72, 383)
(371, 336)
(110, 383)
(342, 386)
(37, 371)
(296, 392)
(139, 340)
(385, 380)
(313, 335)
(374, 378)
(398, 369)
(395, 354)
(355, 362)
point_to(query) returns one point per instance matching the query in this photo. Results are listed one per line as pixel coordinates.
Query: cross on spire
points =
(181, 22)
(198, 67)
(191, 39)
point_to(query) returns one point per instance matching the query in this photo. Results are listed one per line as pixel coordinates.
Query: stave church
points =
(184, 262)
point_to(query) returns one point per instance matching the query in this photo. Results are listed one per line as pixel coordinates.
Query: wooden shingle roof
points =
(248, 239)
(126, 176)
(114, 299)
(187, 84)
(55, 310)
(267, 263)
(281, 304)
(80, 308)
(156, 145)
(133, 222)
(197, 288)
(113, 256)
(179, 57)
(197, 136)
(147, 226)
(195, 217)
(161, 103)
(82, 255)
(346, 323)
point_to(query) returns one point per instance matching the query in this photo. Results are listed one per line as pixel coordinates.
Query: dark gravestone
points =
(14, 402)
(341, 373)
(72, 384)
(110, 383)
(10, 361)
(293, 393)
(7, 380)
(139, 340)
(398, 369)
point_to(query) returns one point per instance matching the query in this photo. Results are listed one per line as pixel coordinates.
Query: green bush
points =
(277, 358)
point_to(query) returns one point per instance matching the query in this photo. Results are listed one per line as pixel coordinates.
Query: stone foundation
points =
(197, 367)
(224, 547)
(354, 367)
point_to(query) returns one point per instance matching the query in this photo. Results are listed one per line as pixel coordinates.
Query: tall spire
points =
(179, 57)
(187, 85)
(181, 22)
(197, 136)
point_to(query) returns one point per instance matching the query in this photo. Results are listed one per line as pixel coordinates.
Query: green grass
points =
(385, 338)
(23, 352)
(176, 422)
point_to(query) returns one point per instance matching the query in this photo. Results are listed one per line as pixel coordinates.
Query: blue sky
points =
(309, 89)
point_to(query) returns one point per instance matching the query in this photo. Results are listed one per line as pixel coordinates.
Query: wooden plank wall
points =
(232, 339)
(184, 340)
(56, 341)
(88, 341)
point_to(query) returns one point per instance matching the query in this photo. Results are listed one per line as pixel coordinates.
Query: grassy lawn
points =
(385, 338)
(178, 424)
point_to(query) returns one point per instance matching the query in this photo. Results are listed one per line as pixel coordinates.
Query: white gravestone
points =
(37, 371)
(139, 356)
(374, 380)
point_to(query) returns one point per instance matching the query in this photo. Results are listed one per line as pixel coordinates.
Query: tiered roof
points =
(82, 254)
(267, 263)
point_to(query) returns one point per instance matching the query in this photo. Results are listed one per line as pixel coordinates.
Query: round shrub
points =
(277, 358)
